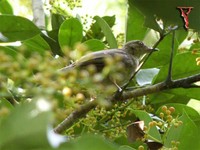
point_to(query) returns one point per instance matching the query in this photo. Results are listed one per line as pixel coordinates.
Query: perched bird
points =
(125, 62)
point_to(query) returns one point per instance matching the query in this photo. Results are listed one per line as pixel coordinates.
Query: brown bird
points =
(126, 61)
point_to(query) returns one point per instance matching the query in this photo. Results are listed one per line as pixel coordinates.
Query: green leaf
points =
(107, 32)
(126, 147)
(9, 50)
(189, 92)
(56, 21)
(194, 46)
(15, 28)
(186, 134)
(36, 44)
(5, 108)
(5, 7)
(52, 39)
(91, 142)
(145, 76)
(134, 27)
(70, 33)
(162, 57)
(110, 20)
(25, 128)
(165, 97)
(94, 45)
(144, 116)
(123, 141)
(184, 65)
(95, 31)
(5, 103)
(160, 97)
(180, 109)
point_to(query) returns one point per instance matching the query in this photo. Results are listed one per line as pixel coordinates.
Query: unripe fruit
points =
(80, 97)
(198, 63)
(145, 128)
(198, 59)
(169, 118)
(173, 142)
(172, 109)
(168, 112)
(159, 123)
(176, 125)
(152, 123)
(67, 91)
(180, 122)
(164, 108)
(91, 69)
(161, 115)
(4, 111)
(141, 147)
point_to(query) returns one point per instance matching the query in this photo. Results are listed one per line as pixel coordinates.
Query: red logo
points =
(185, 11)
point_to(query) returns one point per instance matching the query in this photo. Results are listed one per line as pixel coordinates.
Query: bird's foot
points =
(118, 87)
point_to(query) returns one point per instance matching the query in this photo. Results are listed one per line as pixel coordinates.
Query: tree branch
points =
(84, 109)
(38, 13)
(74, 116)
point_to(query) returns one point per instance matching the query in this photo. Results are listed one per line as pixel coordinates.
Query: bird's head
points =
(137, 49)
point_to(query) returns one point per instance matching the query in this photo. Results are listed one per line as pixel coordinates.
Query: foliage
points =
(34, 95)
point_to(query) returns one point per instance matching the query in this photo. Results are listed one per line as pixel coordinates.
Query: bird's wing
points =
(95, 58)
(98, 58)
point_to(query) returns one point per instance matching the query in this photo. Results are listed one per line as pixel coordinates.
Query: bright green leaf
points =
(134, 27)
(144, 116)
(91, 142)
(107, 32)
(186, 134)
(70, 33)
(94, 45)
(15, 28)
(184, 65)
(162, 57)
(126, 147)
(25, 128)
(5, 103)
(56, 21)
(110, 20)
(5, 7)
(52, 39)
(36, 44)
(9, 50)
(187, 92)
(95, 30)
(161, 98)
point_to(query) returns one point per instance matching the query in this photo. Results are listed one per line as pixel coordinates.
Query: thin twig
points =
(169, 76)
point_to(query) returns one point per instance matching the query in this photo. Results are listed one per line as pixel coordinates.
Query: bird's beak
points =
(154, 49)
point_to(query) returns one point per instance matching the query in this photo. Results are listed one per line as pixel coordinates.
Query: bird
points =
(125, 62)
